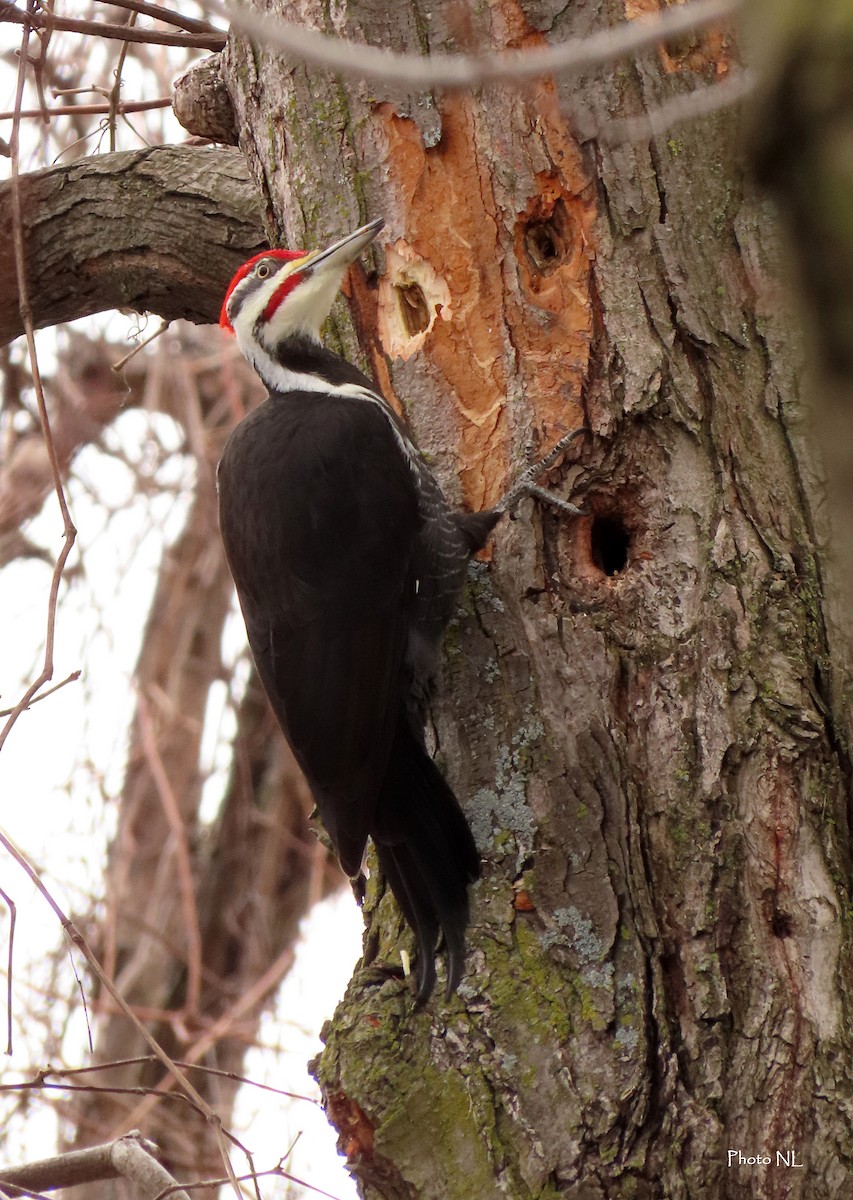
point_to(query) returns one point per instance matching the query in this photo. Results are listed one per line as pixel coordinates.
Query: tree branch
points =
(161, 13)
(687, 107)
(90, 110)
(130, 1156)
(185, 218)
(25, 316)
(40, 22)
(301, 44)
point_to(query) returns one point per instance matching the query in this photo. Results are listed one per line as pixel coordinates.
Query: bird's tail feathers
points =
(427, 854)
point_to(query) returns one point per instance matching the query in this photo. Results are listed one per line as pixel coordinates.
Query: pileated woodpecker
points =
(348, 563)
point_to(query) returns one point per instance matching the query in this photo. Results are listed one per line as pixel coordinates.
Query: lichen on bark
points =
(637, 706)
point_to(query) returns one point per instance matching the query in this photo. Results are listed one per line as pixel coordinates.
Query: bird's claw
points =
(566, 506)
(359, 888)
(526, 485)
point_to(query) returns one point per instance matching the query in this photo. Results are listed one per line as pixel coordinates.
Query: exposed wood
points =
(637, 706)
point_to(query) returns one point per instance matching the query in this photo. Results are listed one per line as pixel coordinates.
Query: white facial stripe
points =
(252, 308)
(302, 311)
(305, 309)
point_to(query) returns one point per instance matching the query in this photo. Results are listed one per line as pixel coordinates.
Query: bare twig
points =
(82, 992)
(465, 71)
(179, 834)
(72, 678)
(119, 366)
(155, 37)
(37, 62)
(115, 91)
(42, 1077)
(106, 982)
(660, 120)
(13, 912)
(41, 1085)
(69, 532)
(277, 1172)
(167, 15)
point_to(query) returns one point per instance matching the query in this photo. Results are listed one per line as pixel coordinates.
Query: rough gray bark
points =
(636, 707)
(158, 230)
(201, 102)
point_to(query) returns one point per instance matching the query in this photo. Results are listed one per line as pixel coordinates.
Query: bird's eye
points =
(263, 270)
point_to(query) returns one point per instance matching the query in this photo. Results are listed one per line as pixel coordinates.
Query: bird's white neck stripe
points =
(279, 378)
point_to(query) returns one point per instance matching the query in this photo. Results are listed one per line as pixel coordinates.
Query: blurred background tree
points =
(175, 827)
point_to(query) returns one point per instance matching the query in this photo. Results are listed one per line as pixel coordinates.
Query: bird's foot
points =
(372, 971)
(526, 485)
(378, 973)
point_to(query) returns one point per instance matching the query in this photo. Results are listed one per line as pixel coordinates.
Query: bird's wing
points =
(319, 515)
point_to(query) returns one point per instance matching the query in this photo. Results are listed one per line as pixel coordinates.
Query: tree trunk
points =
(636, 706)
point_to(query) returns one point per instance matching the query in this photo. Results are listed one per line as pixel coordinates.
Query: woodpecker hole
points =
(412, 298)
(610, 542)
(547, 241)
(781, 924)
(413, 308)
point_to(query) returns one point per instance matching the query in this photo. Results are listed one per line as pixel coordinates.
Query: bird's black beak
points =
(341, 253)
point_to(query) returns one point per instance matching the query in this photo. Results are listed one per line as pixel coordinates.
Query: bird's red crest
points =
(287, 255)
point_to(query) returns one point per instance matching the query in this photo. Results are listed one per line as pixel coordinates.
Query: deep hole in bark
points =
(781, 924)
(547, 241)
(541, 243)
(413, 308)
(609, 543)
